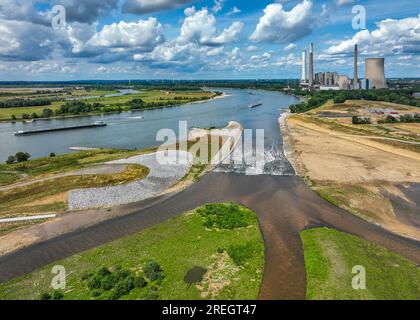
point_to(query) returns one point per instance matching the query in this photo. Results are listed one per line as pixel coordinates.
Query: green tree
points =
(11, 159)
(47, 113)
(45, 296)
(22, 156)
(153, 271)
(57, 295)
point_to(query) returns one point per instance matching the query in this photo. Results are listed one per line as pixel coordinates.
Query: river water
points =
(129, 130)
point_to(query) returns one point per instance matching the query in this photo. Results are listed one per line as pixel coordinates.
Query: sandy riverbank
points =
(371, 178)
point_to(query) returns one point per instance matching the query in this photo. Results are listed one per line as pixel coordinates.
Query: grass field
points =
(153, 96)
(330, 257)
(44, 167)
(51, 195)
(222, 242)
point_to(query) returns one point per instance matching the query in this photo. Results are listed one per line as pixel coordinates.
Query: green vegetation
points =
(331, 255)
(406, 118)
(18, 157)
(21, 103)
(13, 201)
(39, 168)
(55, 295)
(105, 284)
(163, 255)
(25, 105)
(225, 216)
(318, 98)
(240, 253)
(360, 120)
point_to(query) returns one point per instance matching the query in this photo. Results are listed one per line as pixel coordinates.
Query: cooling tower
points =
(311, 66)
(375, 73)
(303, 78)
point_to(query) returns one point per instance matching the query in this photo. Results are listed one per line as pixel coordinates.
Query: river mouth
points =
(272, 163)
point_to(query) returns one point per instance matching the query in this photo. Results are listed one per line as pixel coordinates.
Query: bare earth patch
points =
(358, 171)
(218, 276)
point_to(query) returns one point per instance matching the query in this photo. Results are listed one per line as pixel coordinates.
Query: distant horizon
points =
(169, 81)
(202, 39)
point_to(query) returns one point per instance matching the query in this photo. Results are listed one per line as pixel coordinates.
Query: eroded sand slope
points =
(370, 176)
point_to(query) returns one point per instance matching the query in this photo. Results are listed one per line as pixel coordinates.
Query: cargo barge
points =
(97, 124)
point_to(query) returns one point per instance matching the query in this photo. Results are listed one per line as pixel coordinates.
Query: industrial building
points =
(374, 75)
(326, 78)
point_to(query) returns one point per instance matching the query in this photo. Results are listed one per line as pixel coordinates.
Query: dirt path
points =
(284, 206)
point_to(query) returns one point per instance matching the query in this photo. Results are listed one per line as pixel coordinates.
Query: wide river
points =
(129, 130)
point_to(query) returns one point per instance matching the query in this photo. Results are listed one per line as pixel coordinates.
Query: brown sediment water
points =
(284, 205)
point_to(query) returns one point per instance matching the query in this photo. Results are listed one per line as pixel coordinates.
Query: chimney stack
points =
(303, 78)
(311, 66)
(356, 73)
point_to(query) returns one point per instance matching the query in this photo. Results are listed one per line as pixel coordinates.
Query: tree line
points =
(316, 99)
(21, 103)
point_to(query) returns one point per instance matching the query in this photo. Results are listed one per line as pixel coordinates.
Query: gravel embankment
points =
(161, 177)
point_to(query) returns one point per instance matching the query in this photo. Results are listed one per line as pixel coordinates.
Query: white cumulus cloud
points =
(143, 35)
(281, 26)
(200, 26)
(391, 37)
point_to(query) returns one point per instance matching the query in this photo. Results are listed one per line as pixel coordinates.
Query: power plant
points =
(374, 75)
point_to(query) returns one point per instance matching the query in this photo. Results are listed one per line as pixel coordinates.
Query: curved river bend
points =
(129, 130)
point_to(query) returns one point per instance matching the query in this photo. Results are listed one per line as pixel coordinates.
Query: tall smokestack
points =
(311, 66)
(356, 73)
(303, 78)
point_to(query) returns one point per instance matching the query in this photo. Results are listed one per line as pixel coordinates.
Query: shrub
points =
(47, 113)
(107, 283)
(121, 274)
(225, 216)
(22, 156)
(120, 289)
(113, 285)
(57, 295)
(139, 282)
(95, 293)
(45, 296)
(361, 120)
(241, 253)
(103, 272)
(130, 282)
(11, 160)
(52, 155)
(153, 271)
(94, 282)
(151, 295)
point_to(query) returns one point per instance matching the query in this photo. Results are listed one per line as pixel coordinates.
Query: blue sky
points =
(204, 39)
